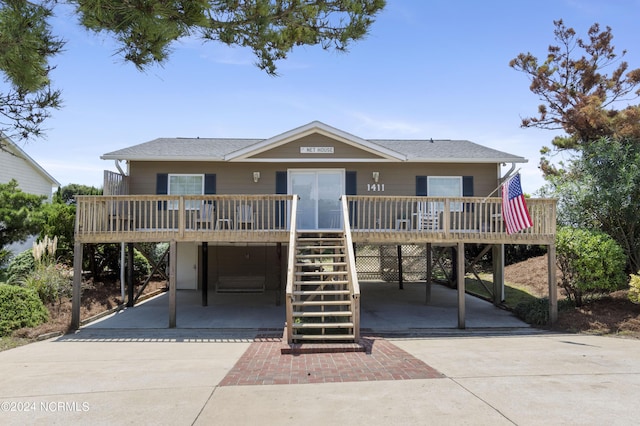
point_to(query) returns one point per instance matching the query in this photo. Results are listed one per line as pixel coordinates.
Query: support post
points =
(205, 273)
(461, 287)
(497, 256)
(427, 296)
(400, 280)
(173, 260)
(553, 287)
(279, 292)
(77, 285)
(130, 292)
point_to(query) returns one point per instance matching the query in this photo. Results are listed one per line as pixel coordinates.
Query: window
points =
(186, 185)
(445, 186)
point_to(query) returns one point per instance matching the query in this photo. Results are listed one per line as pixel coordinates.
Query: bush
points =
(106, 258)
(141, 267)
(20, 307)
(590, 262)
(21, 266)
(634, 288)
(536, 311)
(50, 282)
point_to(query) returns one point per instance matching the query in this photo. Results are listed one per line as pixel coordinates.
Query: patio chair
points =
(427, 217)
(244, 216)
(206, 216)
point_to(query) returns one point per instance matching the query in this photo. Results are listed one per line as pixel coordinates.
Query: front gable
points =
(315, 142)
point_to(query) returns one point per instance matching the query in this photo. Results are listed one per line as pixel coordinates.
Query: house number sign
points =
(375, 187)
(316, 150)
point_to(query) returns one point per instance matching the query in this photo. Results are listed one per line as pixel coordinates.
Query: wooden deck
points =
(265, 218)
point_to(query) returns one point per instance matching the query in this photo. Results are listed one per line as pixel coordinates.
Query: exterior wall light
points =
(376, 176)
(256, 176)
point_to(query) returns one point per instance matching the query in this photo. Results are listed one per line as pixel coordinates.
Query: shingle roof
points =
(446, 150)
(220, 149)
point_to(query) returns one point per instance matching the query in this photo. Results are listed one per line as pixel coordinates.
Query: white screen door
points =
(319, 192)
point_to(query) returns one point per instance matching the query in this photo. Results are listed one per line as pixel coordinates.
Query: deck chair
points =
(205, 217)
(244, 216)
(427, 217)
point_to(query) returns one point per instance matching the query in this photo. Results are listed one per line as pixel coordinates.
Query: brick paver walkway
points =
(263, 364)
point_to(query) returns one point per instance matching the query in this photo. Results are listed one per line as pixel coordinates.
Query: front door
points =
(319, 191)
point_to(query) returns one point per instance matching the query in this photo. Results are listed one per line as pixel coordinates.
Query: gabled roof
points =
(318, 128)
(19, 152)
(238, 150)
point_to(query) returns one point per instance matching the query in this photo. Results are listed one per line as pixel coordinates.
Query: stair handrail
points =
(354, 286)
(291, 265)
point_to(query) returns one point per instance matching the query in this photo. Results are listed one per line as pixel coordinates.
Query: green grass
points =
(8, 342)
(512, 293)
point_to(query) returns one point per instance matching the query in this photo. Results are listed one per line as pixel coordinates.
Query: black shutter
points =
(281, 182)
(210, 187)
(467, 186)
(421, 186)
(351, 188)
(281, 188)
(162, 183)
(162, 188)
(351, 183)
(467, 191)
(209, 184)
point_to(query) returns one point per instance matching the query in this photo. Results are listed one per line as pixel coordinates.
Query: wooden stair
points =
(321, 295)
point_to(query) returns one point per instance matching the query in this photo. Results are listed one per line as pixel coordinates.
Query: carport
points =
(384, 309)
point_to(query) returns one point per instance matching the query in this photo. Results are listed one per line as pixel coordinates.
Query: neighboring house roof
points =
(14, 149)
(216, 149)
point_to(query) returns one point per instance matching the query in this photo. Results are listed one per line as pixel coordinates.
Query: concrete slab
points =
(384, 308)
(410, 402)
(109, 376)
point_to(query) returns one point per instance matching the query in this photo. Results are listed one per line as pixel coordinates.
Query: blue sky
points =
(428, 69)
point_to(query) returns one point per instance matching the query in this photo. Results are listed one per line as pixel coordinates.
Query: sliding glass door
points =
(319, 192)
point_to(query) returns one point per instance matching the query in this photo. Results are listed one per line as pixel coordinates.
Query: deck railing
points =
(291, 266)
(375, 219)
(354, 285)
(191, 218)
(441, 219)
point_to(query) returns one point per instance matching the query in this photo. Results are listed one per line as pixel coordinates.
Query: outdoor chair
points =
(427, 217)
(244, 216)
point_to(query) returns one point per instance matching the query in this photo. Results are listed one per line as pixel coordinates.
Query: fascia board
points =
(314, 127)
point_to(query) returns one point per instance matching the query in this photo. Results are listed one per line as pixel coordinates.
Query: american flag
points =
(514, 208)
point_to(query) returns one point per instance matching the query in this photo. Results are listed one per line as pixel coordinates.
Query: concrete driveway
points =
(173, 377)
(130, 369)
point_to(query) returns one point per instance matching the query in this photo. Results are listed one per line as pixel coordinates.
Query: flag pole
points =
(504, 180)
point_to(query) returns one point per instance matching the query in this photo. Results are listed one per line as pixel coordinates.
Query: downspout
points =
(508, 174)
(117, 162)
(502, 180)
(122, 248)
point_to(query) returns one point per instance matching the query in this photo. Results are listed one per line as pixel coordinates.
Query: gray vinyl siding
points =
(292, 149)
(237, 178)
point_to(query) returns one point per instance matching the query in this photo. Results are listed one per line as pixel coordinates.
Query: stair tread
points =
(320, 292)
(323, 314)
(321, 302)
(316, 256)
(323, 337)
(323, 325)
(337, 282)
(318, 247)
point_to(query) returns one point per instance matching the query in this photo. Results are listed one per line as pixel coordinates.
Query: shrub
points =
(590, 262)
(634, 288)
(141, 267)
(536, 311)
(20, 307)
(20, 266)
(50, 282)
